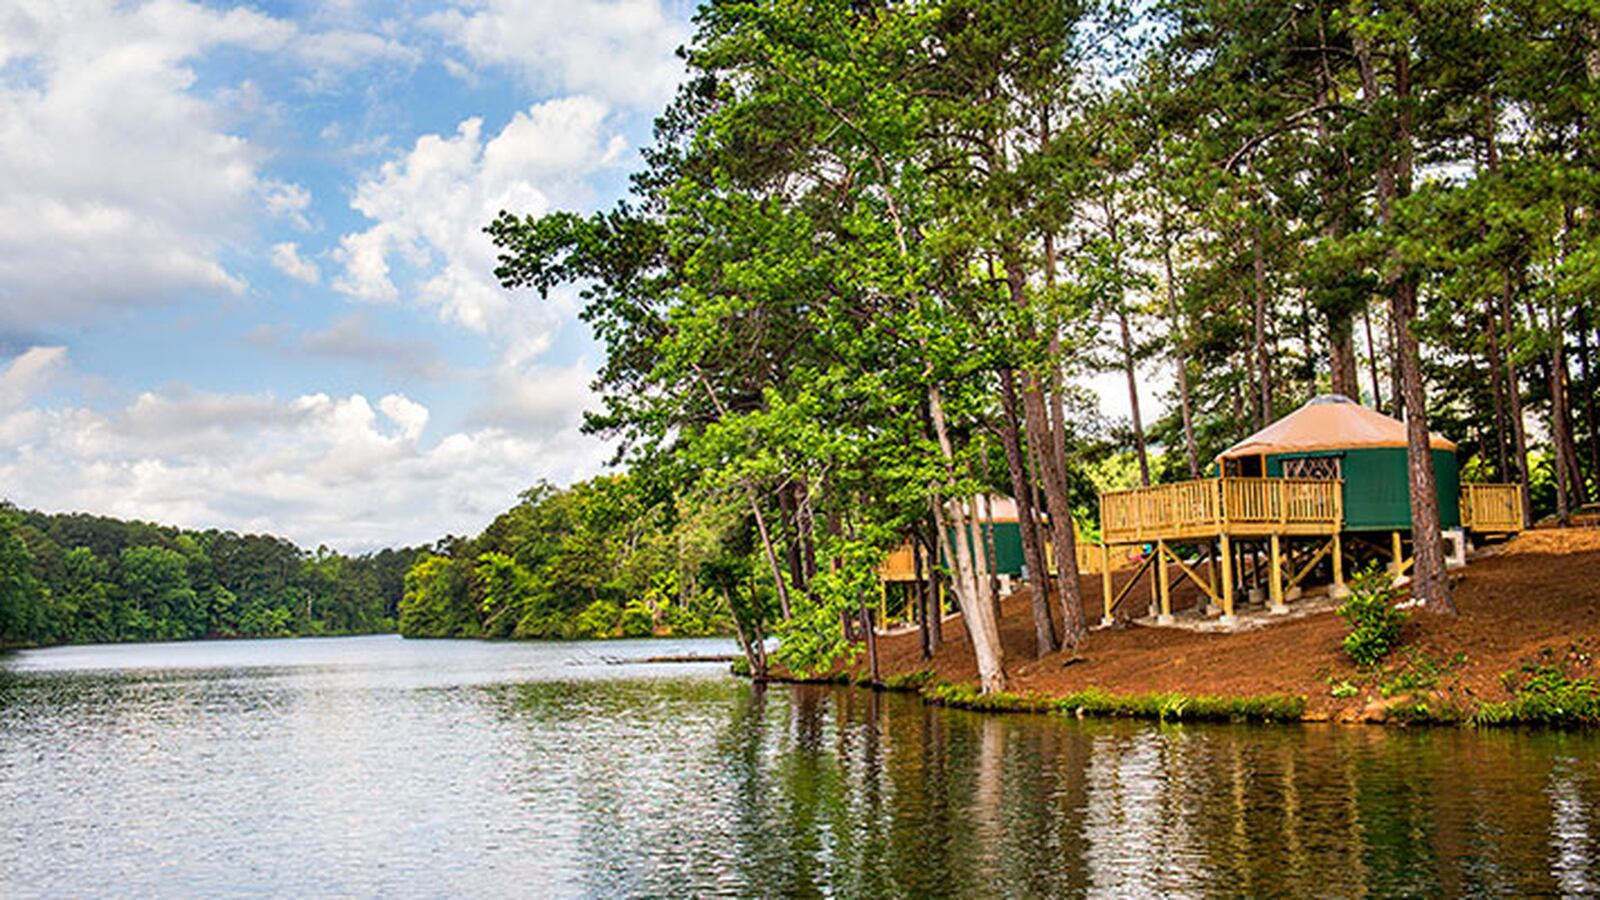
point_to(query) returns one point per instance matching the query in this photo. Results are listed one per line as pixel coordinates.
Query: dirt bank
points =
(1533, 600)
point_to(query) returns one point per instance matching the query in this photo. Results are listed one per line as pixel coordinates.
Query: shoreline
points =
(1524, 650)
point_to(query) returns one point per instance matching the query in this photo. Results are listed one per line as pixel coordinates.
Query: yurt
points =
(1333, 437)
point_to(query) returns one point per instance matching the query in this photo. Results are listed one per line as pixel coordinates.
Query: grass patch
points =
(1163, 707)
(1419, 672)
(1176, 707)
(1544, 695)
(910, 681)
(966, 696)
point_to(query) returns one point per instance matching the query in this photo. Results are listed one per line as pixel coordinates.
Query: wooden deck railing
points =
(1491, 508)
(1217, 505)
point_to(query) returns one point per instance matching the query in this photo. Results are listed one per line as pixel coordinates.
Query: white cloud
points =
(314, 468)
(536, 397)
(286, 258)
(621, 50)
(125, 185)
(29, 372)
(120, 184)
(430, 205)
(289, 201)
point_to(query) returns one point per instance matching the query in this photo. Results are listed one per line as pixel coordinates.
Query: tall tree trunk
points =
(755, 509)
(1180, 353)
(1429, 583)
(790, 523)
(1133, 395)
(935, 581)
(1491, 344)
(986, 530)
(1372, 359)
(1259, 342)
(1587, 391)
(1128, 366)
(870, 629)
(1519, 429)
(1342, 356)
(971, 589)
(919, 587)
(1053, 468)
(1044, 632)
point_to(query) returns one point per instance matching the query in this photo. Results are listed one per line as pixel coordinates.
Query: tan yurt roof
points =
(1329, 422)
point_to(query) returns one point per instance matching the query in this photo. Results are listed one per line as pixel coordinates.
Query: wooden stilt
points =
(1227, 581)
(1105, 584)
(1338, 591)
(1165, 618)
(1395, 567)
(1275, 578)
(883, 605)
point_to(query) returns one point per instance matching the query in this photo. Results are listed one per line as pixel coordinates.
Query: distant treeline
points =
(597, 559)
(76, 578)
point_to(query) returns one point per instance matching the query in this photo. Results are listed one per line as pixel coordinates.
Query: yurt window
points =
(1319, 468)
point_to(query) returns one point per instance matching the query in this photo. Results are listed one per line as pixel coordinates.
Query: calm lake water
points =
(376, 766)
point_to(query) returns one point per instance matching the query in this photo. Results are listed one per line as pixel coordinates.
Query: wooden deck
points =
(1215, 507)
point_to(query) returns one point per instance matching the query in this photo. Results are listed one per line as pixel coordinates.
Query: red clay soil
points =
(1532, 600)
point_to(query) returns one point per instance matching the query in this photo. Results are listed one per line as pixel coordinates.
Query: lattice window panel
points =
(1319, 468)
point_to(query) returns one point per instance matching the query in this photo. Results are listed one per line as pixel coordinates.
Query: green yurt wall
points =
(1377, 494)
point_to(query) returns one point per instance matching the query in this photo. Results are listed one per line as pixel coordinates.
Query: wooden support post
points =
(1105, 584)
(1396, 567)
(883, 605)
(1338, 590)
(1165, 618)
(1216, 574)
(1227, 582)
(1275, 581)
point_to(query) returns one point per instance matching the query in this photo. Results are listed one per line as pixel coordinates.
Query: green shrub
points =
(638, 621)
(598, 620)
(1544, 695)
(1344, 690)
(1374, 621)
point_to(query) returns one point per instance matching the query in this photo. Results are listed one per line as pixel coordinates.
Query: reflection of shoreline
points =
(974, 805)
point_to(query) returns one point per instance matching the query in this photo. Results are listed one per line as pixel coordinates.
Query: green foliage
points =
(21, 595)
(1374, 622)
(1544, 695)
(77, 578)
(598, 620)
(1417, 672)
(637, 620)
(436, 602)
(1163, 707)
(595, 560)
(1344, 690)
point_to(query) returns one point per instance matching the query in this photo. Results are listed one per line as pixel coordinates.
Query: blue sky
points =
(243, 282)
(242, 278)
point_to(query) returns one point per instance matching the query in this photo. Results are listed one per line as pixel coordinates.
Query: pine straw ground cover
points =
(1522, 650)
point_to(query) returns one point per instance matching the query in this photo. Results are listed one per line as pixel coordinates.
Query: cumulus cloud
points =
(28, 373)
(536, 397)
(124, 185)
(286, 258)
(430, 205)
(619, 50)
(315, 468)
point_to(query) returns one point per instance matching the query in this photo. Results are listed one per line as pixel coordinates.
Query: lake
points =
(378, 766)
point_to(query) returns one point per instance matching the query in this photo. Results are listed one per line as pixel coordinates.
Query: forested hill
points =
(77, 578)
(601, 558)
